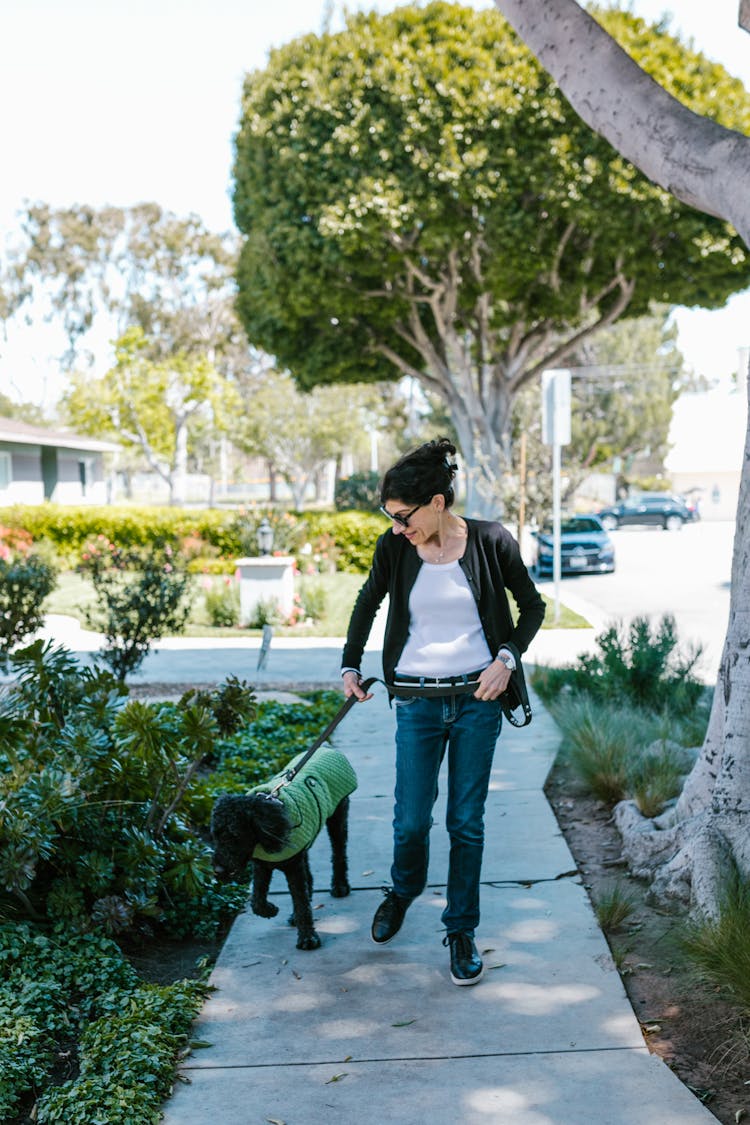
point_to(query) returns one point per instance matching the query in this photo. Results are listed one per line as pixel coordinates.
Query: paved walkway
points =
(358, 1034)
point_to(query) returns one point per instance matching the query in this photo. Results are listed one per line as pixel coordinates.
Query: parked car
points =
(585, 548)
(657, 509)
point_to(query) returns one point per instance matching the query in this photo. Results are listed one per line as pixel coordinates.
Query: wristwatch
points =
(505, 657)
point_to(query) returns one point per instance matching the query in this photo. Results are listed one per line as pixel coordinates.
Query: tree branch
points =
(700, 162)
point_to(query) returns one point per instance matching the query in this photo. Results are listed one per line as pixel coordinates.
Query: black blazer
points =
(492, 564)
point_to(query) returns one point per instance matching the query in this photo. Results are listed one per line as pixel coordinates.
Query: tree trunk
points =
(688, 852)
(178, 476)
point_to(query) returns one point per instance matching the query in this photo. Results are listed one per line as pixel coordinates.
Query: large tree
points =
(688, 852)
(418, 198)
(131, 266)
(151, 405)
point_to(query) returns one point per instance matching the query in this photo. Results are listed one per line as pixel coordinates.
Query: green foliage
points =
(141, 596)
(355, 535)
(222, 600)
(68, 528)
(25, 581)
(56, 986)
(346, 539)
(358, 491)
(103, 816)
(614, 906)
(97, 791)
(639, 665)
(627, 712)
(312, 599)
(415, 193)
(720, 947)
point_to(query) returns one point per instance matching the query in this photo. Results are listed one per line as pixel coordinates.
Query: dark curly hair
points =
(421, 474)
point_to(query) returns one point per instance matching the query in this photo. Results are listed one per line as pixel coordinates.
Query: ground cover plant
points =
(105, 801)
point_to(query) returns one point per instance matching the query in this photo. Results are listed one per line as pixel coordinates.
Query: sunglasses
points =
(402, 521)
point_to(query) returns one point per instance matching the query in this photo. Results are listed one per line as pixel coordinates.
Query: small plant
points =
(141, 596)
(25, 581)
(265, 612)
(656, 777)
(720, 947)
(223, 603)
(601, 743)
(312, 599)
(614, 907)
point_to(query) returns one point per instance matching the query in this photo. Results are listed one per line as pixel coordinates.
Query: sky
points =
(103, 102)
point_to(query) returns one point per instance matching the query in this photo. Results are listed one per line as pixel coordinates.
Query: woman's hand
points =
(493, 681)
(351, 687)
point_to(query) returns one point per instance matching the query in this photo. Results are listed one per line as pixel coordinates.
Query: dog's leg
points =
(297, 871)
(259, 903)
(338, 832)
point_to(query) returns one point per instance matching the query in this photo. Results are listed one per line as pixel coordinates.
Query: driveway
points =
(686, 573)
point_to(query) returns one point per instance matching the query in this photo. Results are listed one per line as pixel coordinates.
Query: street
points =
(686, 573)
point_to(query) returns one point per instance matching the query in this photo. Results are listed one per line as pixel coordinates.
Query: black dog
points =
(275, 832)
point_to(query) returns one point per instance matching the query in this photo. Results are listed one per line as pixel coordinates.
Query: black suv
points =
(657, 509)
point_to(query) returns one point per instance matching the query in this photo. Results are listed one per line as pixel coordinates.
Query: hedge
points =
(203, 532)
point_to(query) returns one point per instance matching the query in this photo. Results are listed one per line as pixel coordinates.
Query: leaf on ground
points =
(336, 1078)
(500, 965)
(368, 873)
(197, 1044)
(651, 1028)
(275, 1121)
(404, 1023)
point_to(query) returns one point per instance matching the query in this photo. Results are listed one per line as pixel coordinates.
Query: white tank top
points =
(445, 633)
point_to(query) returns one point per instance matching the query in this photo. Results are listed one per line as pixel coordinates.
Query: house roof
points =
(23, 433)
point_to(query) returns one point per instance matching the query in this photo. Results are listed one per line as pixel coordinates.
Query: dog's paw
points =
(340, 890)
(308, 941)
(264, 909)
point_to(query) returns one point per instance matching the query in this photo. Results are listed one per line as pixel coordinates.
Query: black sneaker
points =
(388, 917)
(466, 964)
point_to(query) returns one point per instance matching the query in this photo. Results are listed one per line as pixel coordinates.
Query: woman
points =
(449, 625)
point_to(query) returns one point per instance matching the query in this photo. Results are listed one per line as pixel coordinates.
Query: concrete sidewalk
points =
(356, 1033)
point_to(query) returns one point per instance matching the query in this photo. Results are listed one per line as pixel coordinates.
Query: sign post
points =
(556, 432)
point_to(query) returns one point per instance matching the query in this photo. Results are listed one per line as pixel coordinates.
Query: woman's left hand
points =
(493, 681)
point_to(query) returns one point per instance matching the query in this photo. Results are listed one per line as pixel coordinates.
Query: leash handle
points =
(347, 706)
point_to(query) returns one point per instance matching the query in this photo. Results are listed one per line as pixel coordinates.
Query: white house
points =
(37, 463)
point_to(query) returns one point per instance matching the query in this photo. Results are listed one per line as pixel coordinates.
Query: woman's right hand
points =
(351, 686)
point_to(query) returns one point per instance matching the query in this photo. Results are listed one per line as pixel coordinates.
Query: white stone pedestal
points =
(267, 578)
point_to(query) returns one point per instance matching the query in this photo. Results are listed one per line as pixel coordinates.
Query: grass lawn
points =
(74, 594)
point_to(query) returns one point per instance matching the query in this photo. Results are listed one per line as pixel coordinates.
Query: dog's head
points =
(239, 824)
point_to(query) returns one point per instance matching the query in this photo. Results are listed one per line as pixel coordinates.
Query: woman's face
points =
(417, 524)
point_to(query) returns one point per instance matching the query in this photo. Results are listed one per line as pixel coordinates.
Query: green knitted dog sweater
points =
(309, 799)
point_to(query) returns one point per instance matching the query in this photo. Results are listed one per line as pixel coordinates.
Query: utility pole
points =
(556, 432)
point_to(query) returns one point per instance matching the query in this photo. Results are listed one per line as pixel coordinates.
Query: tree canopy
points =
(417, 197)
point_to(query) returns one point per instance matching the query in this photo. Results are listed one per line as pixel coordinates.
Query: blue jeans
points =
(424, 727)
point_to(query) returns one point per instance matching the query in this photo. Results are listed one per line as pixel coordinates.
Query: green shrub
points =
(24, 584)
(223, 603)
(140, 595)
(312, 598)
(96, 793)
(639, 665)
(358, 492)
(355, 535)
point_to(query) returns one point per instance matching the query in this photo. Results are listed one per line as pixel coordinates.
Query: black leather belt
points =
(434, 685)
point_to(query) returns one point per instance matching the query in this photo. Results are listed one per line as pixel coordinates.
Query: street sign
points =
(556, 406)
